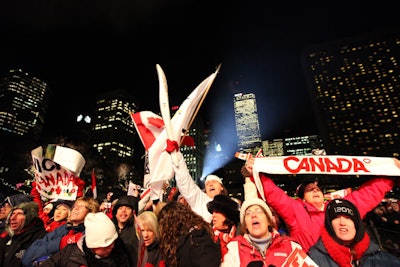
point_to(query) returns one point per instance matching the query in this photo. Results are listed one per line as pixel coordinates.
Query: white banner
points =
(334, 165)
(331, 165)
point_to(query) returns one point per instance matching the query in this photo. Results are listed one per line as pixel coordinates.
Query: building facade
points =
(355, 85)
(114, 135)
(23, 108)
(23, 103)
(246, 120)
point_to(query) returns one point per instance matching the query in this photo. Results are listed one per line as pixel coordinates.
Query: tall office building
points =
(23, 107)
(23, 104)
(114, 134)
(194, 153)
(355, 85)
(247, 124)
(298, 146)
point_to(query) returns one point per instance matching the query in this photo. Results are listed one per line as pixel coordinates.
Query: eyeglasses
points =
(250, 212)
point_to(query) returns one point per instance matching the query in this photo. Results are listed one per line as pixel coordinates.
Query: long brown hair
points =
(175, 220)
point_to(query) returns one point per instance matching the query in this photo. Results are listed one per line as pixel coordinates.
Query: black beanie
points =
(338, 207)
(225, 205)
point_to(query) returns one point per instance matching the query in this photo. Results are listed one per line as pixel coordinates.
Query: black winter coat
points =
(77, 255)
(128, 233)
(13, 248)
(373, 257)
(198, 249)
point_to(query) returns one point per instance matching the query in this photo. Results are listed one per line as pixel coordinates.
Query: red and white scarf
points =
(341, 254)
(224, 239)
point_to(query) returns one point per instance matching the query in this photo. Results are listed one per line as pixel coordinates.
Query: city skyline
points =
(82, 50)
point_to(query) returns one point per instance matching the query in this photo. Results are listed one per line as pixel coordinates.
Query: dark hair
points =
(176, 220)
(300, 189)
(227, 206)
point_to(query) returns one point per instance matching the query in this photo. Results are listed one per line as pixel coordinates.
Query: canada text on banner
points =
(333, 165)
(53, 181)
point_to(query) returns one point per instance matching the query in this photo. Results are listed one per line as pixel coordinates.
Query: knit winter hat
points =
(16, 199)
(100, 231)
(213, 177)
(338, 207)
(225, 205)
(48, 206)
(129, 201)
(60, 202)
(30, 209)
(251, 198)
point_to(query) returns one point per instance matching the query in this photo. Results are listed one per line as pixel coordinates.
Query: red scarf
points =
(224, 239)
(341, 254)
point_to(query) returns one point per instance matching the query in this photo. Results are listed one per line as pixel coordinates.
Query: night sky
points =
(81, 48)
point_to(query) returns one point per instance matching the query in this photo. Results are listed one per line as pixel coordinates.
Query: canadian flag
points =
(148, 125)
(154, 136)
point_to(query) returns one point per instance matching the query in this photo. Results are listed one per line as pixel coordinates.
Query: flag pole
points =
(209, 83)
(164, 108)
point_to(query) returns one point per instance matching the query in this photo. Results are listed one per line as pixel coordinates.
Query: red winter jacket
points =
(241, 252)
(305, 221)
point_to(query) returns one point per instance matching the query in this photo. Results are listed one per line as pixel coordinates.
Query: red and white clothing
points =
(242, 251)
(305, 221)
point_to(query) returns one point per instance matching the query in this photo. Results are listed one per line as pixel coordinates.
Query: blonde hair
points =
(148, 220)
(92, 204)
(158, 207)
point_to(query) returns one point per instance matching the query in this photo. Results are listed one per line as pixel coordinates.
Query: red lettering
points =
(328, 165)
(342, 163)
(286, 164)
(359, 166)
(319, 164)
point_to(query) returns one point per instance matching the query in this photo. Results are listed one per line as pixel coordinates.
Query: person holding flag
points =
(194, 195)
(305, 215)
(154, 130)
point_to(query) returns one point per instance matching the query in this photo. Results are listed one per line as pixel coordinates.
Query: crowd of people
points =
(196, 227)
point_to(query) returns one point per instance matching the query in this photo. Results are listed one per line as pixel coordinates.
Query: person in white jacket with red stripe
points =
(193, 194)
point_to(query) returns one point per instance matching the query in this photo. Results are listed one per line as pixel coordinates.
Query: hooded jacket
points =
(128, 233)
(13, 246)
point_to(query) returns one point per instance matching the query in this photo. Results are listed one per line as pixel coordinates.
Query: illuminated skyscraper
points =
(194, 152)
(23, 104)
(246, 119)
(355, 86)
(114, 135)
